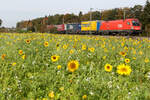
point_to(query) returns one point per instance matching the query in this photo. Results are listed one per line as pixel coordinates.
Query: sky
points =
(13, 11)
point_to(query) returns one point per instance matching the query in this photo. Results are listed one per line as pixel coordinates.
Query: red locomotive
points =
(130, 26)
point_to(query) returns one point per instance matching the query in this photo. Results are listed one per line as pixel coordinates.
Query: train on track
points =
(121, 27)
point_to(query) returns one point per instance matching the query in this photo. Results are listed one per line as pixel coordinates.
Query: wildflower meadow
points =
(41, 66)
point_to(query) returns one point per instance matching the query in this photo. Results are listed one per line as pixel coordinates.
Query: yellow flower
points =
(61, 88)
(51, 94)
(54, 58)
(105, 50)
(44, 99)
(14, 64)
(146, 60)
(59, 67)
(23, 57)
(108, 67)
(140, 53)
(71, 51)
(84, 97)
(103, 45)
(65, 46)
(20, 52)
(126, 48)
(57, 45)
(91, 49)
(104, 57)
(134, 58)
(127, 60)
(123, 53)
(46, 44)
(83, 47)
(113, 48)
(124, 69)
(27, 41)
(73, 65)
(134, 51)
(3, 56)
(122, 44)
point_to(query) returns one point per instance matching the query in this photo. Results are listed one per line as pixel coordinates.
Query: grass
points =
(33, 75)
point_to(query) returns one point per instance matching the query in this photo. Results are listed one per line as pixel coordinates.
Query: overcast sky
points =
(12, 11)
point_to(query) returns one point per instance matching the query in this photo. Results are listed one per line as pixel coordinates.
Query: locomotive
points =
(127, 26)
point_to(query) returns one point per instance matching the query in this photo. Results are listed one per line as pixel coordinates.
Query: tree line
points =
(0, 22)
(138, 11)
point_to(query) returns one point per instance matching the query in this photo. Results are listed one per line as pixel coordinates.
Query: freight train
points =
(128, 26)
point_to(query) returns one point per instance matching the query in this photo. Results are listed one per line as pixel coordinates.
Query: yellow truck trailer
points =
(90, 25)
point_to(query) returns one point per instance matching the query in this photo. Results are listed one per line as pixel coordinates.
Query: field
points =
(71, 67)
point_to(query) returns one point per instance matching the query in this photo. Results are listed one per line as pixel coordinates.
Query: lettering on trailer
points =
(59, 26)
(120, 26)
(86, 25)
(70, 27)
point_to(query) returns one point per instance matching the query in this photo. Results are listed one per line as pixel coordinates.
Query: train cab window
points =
(128, 23)
(135, 23)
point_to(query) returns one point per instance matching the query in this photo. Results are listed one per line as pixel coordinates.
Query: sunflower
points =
(146, 60)
(65, 46)
(105, 50)
(127, 60)
(54, 58)
(84, 97)
(71, 51)
(44, 99)
(23, 57)
(46, 44)
(122, 44)
(61, 88)
(57, 45)
(91, 49)
(20, 52)
(140, 53)
(134, 52)
(28, 41)
(124, 69)
(104, 57)
(83, 47)
(123, 53)
(14, 64)
(3, 56)
(59, 67)
(134, 58)
(108, 67)
(51, 94)
(126, 48)
(73, 65)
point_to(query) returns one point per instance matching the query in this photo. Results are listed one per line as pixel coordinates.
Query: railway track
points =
(133, 37)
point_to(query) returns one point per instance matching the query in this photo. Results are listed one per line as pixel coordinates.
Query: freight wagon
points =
(90, 26)
(61, 28)
(74, 28)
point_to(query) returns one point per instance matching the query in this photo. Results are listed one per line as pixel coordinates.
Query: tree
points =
(96, 15)
(146, 13)
(112, 14)
(85, 17)
(80, 15)
(146, 17)
(0, 22)
(71, 18)
(135, 12)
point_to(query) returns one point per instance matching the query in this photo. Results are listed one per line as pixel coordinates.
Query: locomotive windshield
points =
(135, 23)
